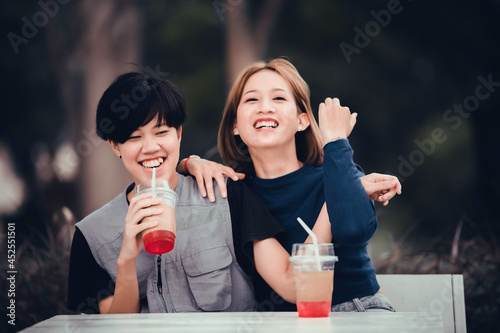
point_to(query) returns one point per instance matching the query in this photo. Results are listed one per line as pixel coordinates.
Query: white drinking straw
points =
(315, 240)
(153, 182)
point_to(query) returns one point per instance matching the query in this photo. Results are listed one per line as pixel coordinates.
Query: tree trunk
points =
(246, 42)
(103, 42)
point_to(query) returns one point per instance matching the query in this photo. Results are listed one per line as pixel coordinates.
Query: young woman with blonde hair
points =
(300, 169)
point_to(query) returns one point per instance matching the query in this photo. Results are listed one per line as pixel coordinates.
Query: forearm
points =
(126, 296)
(351, 213)
(322, 228)
(271, 262)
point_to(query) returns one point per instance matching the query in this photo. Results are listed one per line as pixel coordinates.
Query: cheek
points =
(128, 151)
(173, 145)
(243, 111)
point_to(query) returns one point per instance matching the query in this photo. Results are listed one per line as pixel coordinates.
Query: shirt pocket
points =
(209, 278)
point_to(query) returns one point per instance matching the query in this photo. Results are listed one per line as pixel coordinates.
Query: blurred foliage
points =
(477, 258)
(427, 58)
(42, 265)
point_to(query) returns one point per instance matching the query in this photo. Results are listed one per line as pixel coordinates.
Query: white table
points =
(264, 322)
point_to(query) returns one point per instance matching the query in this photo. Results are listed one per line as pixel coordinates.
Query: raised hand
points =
(335, 120)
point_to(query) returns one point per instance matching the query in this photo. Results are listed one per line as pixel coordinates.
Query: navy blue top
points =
(302, 193)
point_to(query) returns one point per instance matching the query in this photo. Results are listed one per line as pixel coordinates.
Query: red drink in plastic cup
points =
(313, 273)
(314, 309)
(160, 239)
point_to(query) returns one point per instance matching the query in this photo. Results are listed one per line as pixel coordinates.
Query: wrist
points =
(126, 261)
(185, 161)
(339, 137)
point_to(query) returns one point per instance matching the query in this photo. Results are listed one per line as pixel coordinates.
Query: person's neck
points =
(272, 163)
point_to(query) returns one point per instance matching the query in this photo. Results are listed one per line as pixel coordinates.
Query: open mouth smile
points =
(154, 163)
(262, 124)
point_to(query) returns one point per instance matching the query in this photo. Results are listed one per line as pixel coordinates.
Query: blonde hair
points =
(308, 142)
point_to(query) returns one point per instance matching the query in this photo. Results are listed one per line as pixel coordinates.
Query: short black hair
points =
(133, 100)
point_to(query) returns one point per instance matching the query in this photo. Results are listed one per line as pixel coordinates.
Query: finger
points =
(239, 175)
(329, 102)
(144, 203)
(222, 185)
(399, 187)
(381, 186)
(354, 119)
(201, 185)
(140, 197)
(389, 195)
(229, 172)
(146, 225)
(335, 101)
(386, 203)
(379, 177)
(210, 189)
(322, 107)
(146, 212)
(321, 113)
(379, 198)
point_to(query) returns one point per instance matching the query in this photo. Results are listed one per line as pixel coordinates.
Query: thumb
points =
(354, 118)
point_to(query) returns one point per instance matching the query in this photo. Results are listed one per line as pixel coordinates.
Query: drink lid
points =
(313, 258)
(161, 190)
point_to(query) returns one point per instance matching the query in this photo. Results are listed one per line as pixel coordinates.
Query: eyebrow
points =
(275, 89)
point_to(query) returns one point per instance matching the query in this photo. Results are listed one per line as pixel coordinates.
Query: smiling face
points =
(267, 115)
(151, 146)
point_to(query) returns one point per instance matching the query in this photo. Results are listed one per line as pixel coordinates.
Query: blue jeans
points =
(372, 303)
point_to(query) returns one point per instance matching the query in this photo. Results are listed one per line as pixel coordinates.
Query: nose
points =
(150, 145)
(265, 106)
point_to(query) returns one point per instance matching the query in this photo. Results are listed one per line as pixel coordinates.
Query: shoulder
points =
(311, 175)
(188, 192)
(106, 223)
(239, 189)
(80, 249)
(109, 209)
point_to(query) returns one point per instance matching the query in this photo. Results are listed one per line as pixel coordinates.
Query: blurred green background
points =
(423, 76)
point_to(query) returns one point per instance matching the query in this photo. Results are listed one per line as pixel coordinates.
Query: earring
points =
(120, 156)
(235, 131)
(300, 128)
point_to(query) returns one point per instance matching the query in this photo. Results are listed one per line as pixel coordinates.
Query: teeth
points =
(153, 163)
(266, 124)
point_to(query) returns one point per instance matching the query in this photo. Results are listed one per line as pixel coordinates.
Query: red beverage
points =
(313, 266)
(160, 239)
(314, 309)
